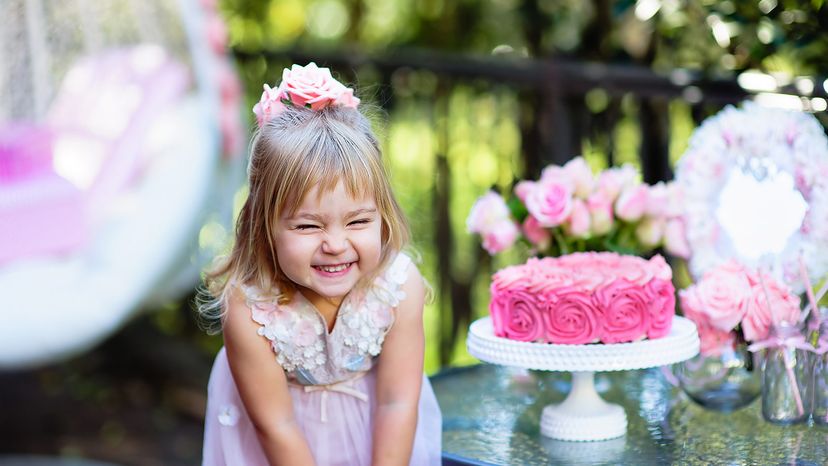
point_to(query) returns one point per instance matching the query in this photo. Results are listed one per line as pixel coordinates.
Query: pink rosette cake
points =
(591, 297)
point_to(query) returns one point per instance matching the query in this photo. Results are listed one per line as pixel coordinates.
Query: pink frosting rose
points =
(571, 318)
(769, 305)
(723, 294)
(516, 315)
(626, 315)
(634, 270)
(662, 307)
(661, 269)
(550, 202)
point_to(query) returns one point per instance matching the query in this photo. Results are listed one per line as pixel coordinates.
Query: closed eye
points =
(305, 226)
(362, 221)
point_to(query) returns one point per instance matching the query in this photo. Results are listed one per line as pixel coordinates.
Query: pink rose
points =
(769, 305)
(657, 200)
(500, 236)
(517, 316)
(557, 175)
(490, 217)
(315, 87)
(308, 86)
(614, 180)
(675, 239)
(269, 105)
(599, 205)
(662, 299)
(723, 295)
(626, 314)
(631, 203)
(550, 202)
(523, 188)
(571, 318)
(713, 341)
(650, 231)
(581, 175)
(535, 233)
(578, 223)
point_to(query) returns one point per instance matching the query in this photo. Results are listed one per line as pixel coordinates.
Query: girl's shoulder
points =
(388, 285)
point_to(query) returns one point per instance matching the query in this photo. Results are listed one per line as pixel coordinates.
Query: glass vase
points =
(820, 374)
(724, 379)
(787, 382)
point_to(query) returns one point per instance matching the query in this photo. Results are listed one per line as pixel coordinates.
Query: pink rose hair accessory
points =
(303, 86)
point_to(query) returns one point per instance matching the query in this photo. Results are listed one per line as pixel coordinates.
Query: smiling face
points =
(329, 243)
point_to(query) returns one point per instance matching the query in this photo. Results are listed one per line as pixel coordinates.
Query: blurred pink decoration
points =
(230, 88)
(40, 212)
(122, 92)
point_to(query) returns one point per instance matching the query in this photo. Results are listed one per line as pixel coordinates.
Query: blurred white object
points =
(137, 95)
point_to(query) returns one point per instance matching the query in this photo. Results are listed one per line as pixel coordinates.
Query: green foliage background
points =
(476, 124)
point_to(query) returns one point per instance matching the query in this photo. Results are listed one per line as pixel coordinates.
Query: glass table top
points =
(491, 415)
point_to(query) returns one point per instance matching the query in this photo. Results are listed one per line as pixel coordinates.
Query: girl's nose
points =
(335, 243)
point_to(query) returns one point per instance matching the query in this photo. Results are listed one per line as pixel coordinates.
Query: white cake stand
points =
(584, 415)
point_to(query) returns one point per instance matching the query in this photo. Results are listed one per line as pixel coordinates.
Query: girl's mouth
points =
(334, 270)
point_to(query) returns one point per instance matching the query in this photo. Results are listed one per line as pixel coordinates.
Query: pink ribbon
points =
(822, 347)
(797, 342)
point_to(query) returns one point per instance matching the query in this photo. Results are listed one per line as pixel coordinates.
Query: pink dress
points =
(331, 379)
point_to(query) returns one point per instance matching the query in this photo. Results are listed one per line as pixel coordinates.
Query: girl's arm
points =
(263, 388)
(399, 376)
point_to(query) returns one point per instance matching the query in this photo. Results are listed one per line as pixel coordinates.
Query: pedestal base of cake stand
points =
(584, 415)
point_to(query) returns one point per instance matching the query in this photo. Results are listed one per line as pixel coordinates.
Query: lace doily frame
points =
(754, 138)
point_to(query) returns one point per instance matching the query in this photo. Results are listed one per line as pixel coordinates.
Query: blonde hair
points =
(297, 150)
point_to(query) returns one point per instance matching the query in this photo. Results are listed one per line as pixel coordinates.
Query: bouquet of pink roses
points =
(569, 209)
(732, 304)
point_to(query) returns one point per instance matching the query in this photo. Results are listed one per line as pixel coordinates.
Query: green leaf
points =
(517, 209)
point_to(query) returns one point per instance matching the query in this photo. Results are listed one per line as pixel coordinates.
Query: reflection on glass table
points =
(491, 415)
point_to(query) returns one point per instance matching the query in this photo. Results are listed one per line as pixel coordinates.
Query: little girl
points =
(315, 287)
